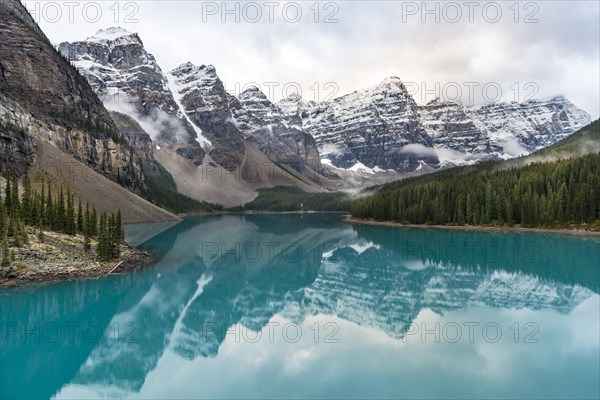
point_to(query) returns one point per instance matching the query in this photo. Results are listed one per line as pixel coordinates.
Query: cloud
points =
(559, 50)
(156, 125)
(512, 147)
(330, 149)
(443, 154)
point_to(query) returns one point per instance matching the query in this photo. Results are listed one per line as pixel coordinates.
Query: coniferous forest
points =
(54, 209)
(551, 194)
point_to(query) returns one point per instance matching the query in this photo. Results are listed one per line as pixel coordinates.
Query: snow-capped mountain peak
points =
(112, 34)
(391, 81)
(128, 79)
(381, 126)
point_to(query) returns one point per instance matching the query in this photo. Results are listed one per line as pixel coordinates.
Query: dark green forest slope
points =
(527, 191)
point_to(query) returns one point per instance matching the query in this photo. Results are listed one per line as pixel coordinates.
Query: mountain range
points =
(106, 104)
(370, 127)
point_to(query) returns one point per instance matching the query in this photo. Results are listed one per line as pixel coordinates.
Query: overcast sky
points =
(541, 48)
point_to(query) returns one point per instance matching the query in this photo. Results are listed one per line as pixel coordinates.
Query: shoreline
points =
(62, 258)
(63, 274)
(477, 228)
(249, 212)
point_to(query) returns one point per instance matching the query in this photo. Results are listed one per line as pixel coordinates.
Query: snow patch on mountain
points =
(360, 167)
(175, 89)
(375, 125)
(110, 34)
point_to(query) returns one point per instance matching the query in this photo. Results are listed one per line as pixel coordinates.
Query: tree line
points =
(54, 210)
(550, 194)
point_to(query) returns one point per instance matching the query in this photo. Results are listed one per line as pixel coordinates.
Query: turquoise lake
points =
(305, 305)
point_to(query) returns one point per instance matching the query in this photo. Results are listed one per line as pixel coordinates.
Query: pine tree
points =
(119, 228)
(79, 218)
(3, 216)
(23, 234)
(87, 220)
(8, 196)
(40, 227)
(26, 201)
(50, 222)
(469, 216)
(15, 195)
(41, 199)
(94, 223)
(87, 245)
(102, 249)
(61, 217)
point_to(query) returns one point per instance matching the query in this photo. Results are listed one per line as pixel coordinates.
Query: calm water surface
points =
(288, 306)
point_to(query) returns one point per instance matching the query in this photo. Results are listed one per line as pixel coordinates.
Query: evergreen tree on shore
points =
(20, 209)
(551, 194)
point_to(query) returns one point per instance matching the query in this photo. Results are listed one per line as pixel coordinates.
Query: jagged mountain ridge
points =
(252, 153)
(366, 130)
(344, 127)
(53, 123)
(42, 97)
(128, 79)
(115, 62)
(367, 126)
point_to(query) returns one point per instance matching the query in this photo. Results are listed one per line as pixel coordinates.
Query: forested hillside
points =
(558, 193)
(24, 210)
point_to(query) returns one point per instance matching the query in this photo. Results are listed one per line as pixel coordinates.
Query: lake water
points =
(280, 306)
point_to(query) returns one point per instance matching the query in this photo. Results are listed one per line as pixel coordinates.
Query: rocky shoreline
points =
(581, 232)
(61, 257)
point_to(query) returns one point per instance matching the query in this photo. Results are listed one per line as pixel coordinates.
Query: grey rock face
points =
(138, 139)
(229, 122)
(451, 126)
(206, 103)
(35, 76)
(17, 149)
(128, 79)
(372, 126)
(262, 122)
(42, 97)
(533, 124)
(368, 126)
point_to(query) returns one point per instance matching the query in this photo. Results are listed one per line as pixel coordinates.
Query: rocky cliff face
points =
(529, 126)
(34, 75)
(451, 126)
(17, 148)
(206, 103)
(138, 139)
(368, 126)
(128, 79)
(188, 102)
(42, 97)
(372, 127)
(228, 122)
(262, 122)
(376, 129)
